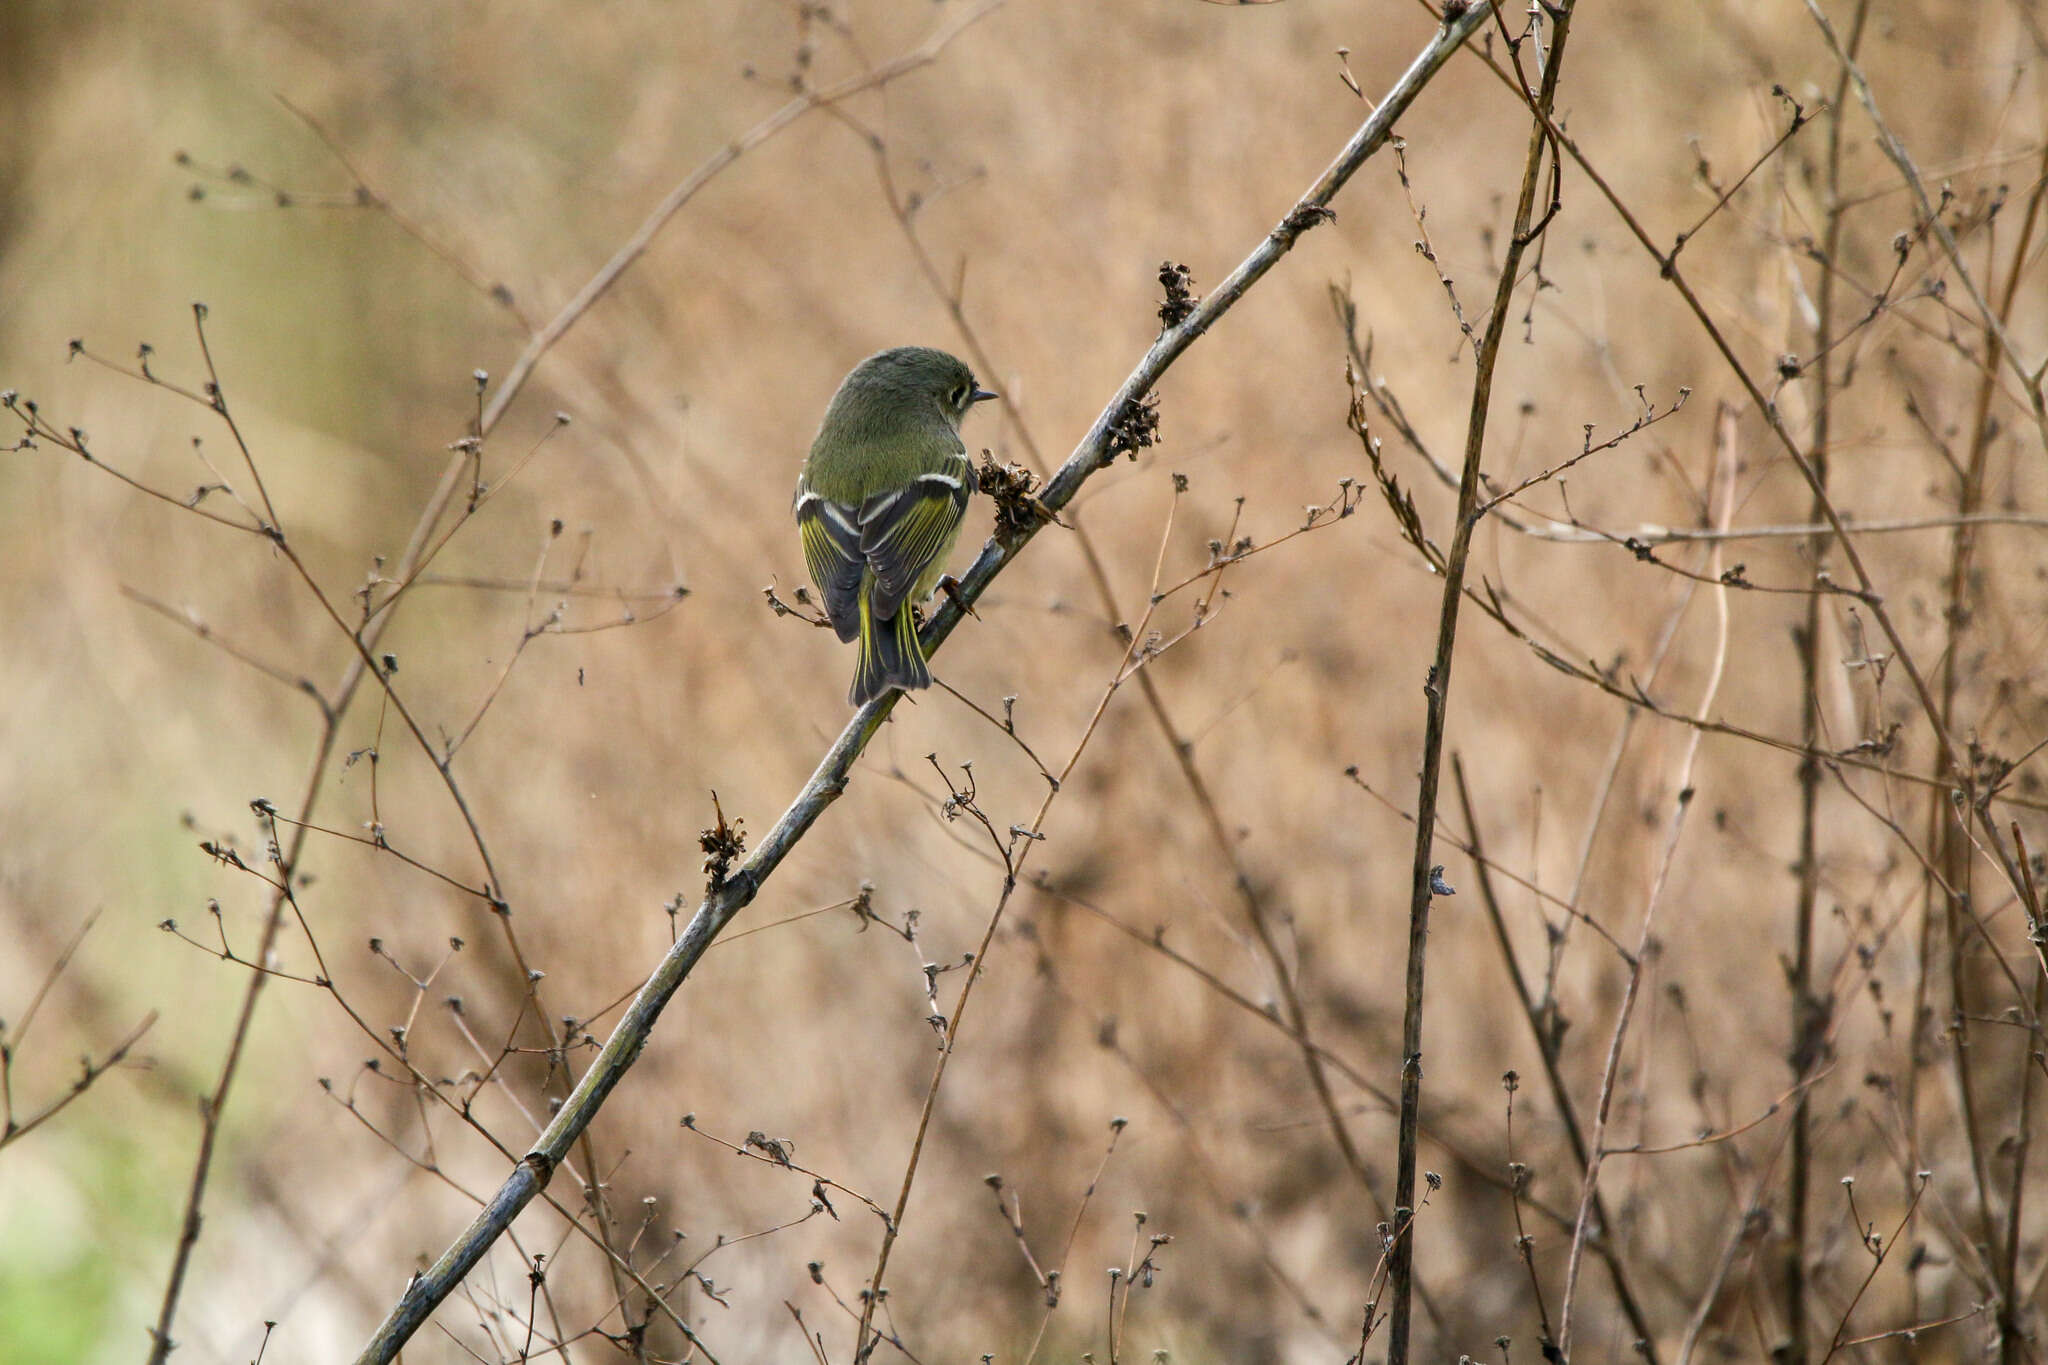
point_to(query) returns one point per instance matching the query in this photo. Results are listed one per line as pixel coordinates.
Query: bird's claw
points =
(950, 586)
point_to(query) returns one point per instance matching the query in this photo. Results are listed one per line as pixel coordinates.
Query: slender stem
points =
(1807, 1021)
(1437, 689)
(211, 1107)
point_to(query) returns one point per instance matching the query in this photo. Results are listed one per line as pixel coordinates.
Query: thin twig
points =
(89, 1072)
(1806, 1024)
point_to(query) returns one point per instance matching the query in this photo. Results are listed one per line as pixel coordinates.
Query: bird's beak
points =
(980, 396)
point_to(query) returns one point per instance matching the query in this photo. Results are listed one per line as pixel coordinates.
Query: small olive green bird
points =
(880, 502)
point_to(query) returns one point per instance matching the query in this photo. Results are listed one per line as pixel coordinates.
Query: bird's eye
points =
(959, 395)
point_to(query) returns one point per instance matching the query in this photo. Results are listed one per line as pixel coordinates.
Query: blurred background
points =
(376, 201)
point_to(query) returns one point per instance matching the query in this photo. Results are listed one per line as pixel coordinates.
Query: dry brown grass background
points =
(1059, 153)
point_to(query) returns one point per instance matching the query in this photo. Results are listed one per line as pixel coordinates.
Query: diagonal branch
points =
(729, 897)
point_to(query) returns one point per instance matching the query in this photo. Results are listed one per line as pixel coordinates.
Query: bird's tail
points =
(889, 655)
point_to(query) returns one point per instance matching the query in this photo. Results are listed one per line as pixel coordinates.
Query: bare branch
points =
(829, 780)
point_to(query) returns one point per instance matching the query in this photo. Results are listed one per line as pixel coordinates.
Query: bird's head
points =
(919, 377)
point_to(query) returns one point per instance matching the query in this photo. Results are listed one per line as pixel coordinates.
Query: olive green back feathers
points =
(880, 502)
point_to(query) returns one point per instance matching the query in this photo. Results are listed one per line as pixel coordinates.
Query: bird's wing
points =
(832, 551)
(905, 530)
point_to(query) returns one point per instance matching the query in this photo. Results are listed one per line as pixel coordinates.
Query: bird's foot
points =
(950, 586)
